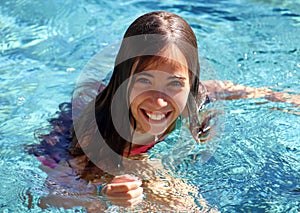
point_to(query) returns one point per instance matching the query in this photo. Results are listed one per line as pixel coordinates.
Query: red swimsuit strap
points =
(142, 149)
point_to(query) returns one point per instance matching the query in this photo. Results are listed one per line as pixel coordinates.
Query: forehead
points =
(170, 60)
(168, 67)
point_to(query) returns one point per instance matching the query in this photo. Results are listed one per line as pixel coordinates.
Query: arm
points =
(163, 192)
(226, 90)
(67, 190)
(175, 194)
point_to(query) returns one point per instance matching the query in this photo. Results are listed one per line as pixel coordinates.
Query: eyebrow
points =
(177, 77)
(145, 73)
(169, 78)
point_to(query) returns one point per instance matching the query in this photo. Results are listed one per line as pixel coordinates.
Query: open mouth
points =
(155, 116)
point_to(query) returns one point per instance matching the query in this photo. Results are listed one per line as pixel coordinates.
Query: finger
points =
(122, 187)
(124, 178)
(125, 195)
(128, 203)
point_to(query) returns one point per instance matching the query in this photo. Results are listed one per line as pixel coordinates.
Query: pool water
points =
(45, 45)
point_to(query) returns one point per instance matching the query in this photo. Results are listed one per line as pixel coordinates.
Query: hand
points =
(124, 190)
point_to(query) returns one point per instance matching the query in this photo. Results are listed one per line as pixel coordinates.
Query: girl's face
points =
(159, 95)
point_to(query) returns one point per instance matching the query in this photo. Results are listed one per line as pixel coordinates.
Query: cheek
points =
(133, 107)
(133, 98)
(180, 100)
(135, 102)
(135, 94)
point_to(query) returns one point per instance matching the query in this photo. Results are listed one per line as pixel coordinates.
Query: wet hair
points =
(53, 146)
(165, 28)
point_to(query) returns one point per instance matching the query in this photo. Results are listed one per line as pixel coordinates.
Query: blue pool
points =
(45, 45)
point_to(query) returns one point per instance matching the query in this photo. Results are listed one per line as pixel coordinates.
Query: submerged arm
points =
(67, 190)
(226, 90)
(163, 192)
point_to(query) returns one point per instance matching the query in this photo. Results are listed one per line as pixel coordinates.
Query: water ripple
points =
(255, 167)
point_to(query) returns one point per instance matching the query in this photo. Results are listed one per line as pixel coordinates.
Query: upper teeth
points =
(156, 116)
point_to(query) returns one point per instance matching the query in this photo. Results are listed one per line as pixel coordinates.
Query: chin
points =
(155, 130)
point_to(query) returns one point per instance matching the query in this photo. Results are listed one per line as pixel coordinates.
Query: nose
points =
(159, 100)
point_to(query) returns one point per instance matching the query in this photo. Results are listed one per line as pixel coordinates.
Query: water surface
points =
(45, 46)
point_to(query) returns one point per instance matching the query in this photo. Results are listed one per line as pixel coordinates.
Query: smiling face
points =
(159, 94)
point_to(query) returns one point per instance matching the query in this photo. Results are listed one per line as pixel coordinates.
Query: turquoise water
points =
(45, 46)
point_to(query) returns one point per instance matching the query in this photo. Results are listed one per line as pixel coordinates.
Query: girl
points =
(103, 148)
